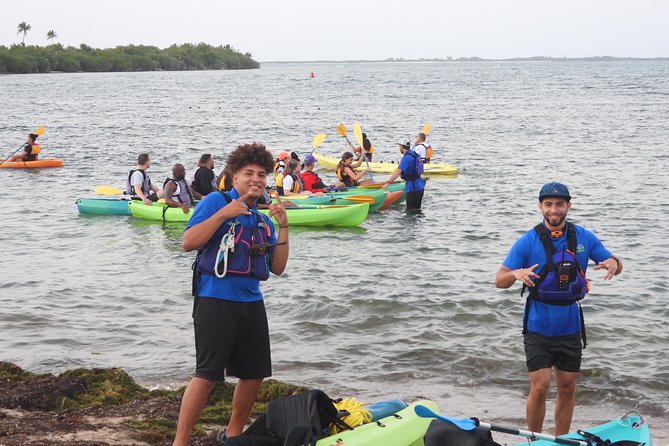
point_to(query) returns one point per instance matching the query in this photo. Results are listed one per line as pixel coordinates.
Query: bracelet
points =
(616, 259)
(283, 227)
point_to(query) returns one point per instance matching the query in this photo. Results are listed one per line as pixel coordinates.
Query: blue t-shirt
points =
(546, 319)
(408, 165)
(235, 288)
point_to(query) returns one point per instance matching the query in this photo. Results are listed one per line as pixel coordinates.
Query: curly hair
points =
(247, 154)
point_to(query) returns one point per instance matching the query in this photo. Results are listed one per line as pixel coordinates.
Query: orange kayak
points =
(392, 198)
(46, 162)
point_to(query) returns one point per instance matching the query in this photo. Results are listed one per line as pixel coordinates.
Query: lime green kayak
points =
(405, 428)
(298, 216)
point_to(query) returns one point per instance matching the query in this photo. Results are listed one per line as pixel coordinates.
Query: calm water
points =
(403, 306)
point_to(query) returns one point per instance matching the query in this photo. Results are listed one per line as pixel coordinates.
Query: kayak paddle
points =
(318, 140)
(468, 424)
(108, 190)
(341, 129)
(426, 128)
(358, 136)
(37, 132)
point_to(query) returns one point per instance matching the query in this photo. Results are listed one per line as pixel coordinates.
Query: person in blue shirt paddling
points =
(551, 261)
(410, 170)
(231, 331)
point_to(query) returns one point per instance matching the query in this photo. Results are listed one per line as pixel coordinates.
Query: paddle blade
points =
(360, 199)
(39, 130)
(318, 140)
(466, 424)
(107, 190)
(357, 131)
(426, 128)
(341, 129)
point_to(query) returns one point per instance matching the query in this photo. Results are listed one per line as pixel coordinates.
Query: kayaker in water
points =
(553, 328)
(139, 184)
(28, 152)
(367, 149)
(310, 179)
(410, 170)
(231, 330)
(345, 173)
(280, 163)
(423, 149)
(177, 192)
(204, 179)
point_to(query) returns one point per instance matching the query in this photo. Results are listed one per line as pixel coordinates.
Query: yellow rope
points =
(358, 415)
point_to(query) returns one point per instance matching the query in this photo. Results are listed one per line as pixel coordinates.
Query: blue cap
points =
(310, 159)
(557, 190)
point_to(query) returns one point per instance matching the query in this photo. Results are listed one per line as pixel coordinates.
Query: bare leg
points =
(192, 403)
(565, 383)
(536, 400)
(246, 392)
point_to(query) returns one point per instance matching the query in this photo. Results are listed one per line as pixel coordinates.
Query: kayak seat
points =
(440, 433)
(295, 420)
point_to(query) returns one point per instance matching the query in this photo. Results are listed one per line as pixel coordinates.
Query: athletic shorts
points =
(231, 338)
(544, 352)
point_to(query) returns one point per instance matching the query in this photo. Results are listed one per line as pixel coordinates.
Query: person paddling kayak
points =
(28, 152)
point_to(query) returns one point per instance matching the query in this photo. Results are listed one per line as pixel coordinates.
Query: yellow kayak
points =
(329, 162)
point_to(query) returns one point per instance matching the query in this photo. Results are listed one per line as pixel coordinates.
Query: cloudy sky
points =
(348, 29)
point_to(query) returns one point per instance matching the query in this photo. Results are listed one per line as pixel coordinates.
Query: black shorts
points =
(544, 352)
(231, 338)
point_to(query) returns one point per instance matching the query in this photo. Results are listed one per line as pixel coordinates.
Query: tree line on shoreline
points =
(22, 59)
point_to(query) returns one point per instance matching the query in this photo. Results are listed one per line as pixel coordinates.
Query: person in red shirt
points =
(310, 179)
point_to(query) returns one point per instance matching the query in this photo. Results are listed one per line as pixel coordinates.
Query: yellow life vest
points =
(279, 185)
(35, 149)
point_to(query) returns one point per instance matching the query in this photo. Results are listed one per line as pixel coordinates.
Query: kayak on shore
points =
(329, 162)
(37, 164)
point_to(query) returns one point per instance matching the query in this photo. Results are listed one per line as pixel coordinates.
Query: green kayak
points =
(405, 428)
(299, 216)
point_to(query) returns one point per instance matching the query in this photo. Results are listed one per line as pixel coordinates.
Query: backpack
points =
(419, 167)
(295, 420)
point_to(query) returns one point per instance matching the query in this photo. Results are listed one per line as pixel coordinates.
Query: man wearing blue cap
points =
(551, 260)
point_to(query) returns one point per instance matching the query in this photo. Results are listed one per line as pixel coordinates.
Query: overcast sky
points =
(347, 29)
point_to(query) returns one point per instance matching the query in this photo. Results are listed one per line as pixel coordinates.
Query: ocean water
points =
(403, 306)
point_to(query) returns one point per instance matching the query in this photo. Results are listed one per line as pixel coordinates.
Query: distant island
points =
(22, 59)
(480, 59)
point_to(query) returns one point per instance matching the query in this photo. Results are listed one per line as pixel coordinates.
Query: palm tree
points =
(24, 28)
(51, 35)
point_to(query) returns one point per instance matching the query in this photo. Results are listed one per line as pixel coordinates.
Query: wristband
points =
(616, 259)
(283, 227)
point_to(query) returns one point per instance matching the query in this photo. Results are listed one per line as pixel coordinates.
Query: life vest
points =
(279, 184)
(182, 192)
(561, 280)
(221, 183)
(417, 167)
(34, 149)
(279, 167)
(146, 183)
(343, 177)
(429, 153)
(311, 181)
(250, 256)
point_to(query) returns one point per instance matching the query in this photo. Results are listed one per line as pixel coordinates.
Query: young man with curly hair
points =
(231, 332)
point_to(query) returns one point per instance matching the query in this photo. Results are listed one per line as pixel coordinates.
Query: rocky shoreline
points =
(99, 407)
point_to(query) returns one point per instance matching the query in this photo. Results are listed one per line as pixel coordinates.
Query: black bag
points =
(296, 420)
(445, 434)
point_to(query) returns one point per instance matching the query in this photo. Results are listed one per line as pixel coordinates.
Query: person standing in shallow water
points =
(231, 330)
(551, 260)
